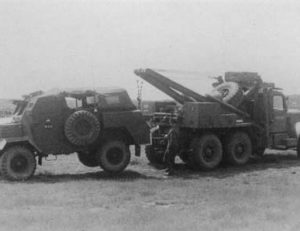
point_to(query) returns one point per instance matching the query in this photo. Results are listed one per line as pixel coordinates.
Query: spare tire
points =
(82, 128)
(228, 92)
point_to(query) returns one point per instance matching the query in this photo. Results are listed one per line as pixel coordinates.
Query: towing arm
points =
(178, 92)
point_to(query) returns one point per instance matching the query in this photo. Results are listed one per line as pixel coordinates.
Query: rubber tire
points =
(6, 161)
(198, 145)
(234, 96)
(85, 136)
(88, 159)
(103, 153)
(154, 158)
(233, 140)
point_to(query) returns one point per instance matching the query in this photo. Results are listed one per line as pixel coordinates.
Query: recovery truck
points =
(241, 117)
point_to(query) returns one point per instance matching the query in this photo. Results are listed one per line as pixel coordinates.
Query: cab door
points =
(278, 122)
(48, 123)
(279, 114)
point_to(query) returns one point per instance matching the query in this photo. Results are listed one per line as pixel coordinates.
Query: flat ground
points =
(64, 195)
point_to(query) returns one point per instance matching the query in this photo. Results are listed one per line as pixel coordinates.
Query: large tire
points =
(238, 148)
(88, 159)
(152, 156)
(228, 92)
(206, 153)
(113, 157)
(82, 128)
(17, 163)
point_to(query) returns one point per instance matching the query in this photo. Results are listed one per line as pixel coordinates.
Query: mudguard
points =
(15, 140)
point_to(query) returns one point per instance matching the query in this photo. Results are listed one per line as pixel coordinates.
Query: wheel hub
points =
(239, 150)
(19, 164)
(208, 153)
(83, 128)
(115, 156)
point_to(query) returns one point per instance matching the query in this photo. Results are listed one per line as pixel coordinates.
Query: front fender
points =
(4, 142)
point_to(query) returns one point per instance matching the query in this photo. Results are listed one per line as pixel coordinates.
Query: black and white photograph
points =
(149, 115)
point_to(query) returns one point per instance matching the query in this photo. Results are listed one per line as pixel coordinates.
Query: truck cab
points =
(280, 123)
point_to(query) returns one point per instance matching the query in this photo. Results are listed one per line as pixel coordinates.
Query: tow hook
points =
(137, 150)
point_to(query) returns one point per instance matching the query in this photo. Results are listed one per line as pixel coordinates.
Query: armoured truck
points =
(99, 125)
(242, 116)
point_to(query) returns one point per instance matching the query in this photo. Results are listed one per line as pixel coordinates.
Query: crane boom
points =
(178, 92)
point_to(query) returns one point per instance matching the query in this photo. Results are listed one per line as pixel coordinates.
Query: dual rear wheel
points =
(238, 148)
(207, 151)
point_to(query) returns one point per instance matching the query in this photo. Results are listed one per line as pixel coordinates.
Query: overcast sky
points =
(50, 44)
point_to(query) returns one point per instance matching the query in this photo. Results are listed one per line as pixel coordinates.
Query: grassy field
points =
(64, 195)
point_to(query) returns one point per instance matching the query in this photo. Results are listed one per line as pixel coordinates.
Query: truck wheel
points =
(229, 92)
(206, 152)
(82, 128)
(87, 159)
(113, 156)
(238, 148)
(152, 156)
(17, 163)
